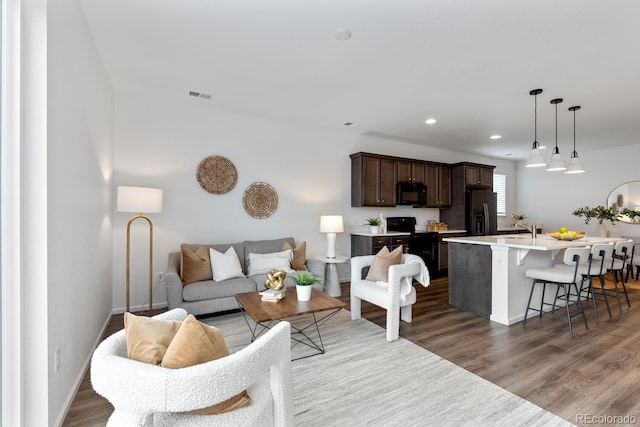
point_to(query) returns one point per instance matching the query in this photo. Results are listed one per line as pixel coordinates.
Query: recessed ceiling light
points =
(495, 137)
(430, 121)
(343, 34)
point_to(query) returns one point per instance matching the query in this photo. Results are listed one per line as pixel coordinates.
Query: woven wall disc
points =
(260, 200)
(217, 174)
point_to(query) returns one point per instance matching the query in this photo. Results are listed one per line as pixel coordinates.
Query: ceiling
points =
(469, 64)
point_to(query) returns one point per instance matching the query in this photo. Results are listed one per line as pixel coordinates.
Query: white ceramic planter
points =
(304, 292)
(374, 229)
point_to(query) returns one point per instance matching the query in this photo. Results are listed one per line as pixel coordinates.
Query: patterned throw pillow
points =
(262, 263)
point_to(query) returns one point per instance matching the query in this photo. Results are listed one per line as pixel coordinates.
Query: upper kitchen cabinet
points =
(476, 175)
(438, 180)
(409, 171)
(373, 180)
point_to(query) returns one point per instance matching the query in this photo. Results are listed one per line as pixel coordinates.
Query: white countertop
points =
(402, 233)
(524, 241)
(387, 234)
(451, 231)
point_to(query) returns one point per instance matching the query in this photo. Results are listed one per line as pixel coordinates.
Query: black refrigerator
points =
(481, 213)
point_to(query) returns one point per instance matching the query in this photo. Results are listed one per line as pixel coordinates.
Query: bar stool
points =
(563, 277)
(622, 257)
(599, 257)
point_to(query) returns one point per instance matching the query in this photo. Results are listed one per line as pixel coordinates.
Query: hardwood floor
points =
(596, 374)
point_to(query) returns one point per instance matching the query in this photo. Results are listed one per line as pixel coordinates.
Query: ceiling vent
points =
(199, 94)
(350, 124)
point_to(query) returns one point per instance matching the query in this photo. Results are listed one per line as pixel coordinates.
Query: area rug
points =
(363, 380)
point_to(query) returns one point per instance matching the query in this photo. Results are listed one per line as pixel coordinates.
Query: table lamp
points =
(331, 224)
(139, 199)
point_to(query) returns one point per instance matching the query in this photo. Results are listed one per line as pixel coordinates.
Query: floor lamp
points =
(139, 200)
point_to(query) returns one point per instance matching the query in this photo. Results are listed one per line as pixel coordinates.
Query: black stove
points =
(424, 243)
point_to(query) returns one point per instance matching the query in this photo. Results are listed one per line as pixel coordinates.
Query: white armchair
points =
(149, 395)
(396, 296)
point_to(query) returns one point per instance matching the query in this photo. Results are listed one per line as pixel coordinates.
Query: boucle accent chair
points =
(149, 395)
(396, 295)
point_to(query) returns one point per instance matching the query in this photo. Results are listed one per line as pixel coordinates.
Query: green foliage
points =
(633, 215)
(518, 217)
(600, 213)
(305, 278)
(373, 221)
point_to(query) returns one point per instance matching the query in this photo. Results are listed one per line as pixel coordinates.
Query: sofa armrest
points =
(173, 282)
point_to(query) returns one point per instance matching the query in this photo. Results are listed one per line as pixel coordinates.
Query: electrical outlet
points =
(160, 276)
(56, 358)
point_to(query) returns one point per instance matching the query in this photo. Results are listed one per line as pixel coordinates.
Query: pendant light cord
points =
(556, 150)
(535, 119)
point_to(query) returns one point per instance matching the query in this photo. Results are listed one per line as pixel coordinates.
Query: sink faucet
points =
(530, 228)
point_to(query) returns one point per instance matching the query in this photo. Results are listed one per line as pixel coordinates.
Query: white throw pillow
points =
(262, 263)
(225, 265)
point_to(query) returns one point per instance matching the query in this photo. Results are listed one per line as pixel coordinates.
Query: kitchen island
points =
(487, 273)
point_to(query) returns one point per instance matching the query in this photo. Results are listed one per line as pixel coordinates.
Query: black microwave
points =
(411, 193)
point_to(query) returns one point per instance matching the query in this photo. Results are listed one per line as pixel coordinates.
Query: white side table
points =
(331, 279)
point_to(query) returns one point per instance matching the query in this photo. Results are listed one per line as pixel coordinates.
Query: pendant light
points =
(556, 163)
(575, 166)
(535, 156)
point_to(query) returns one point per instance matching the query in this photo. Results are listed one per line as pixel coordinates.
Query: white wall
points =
(551, 197)
(79, 230)
(159, 143)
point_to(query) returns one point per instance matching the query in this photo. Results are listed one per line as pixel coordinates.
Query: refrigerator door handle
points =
(485, 208)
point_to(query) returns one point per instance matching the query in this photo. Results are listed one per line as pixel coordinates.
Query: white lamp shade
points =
(536, 159)
(575, 166)
(139, 199)
(331, 224)
(556, 163)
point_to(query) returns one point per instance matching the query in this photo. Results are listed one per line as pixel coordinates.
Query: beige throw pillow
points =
(299, 255)
(384, 259)
(148, 338)
(196, 343)
(194, 266)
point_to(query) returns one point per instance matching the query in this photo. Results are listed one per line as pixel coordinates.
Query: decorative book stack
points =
(271, 295)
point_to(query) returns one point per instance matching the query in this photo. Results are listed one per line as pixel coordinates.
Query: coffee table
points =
(264, 314)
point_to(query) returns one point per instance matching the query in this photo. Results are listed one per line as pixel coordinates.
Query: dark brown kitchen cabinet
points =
(371, 245)
(438, 180)
(409, 171)
(478, 176)
(373, 180)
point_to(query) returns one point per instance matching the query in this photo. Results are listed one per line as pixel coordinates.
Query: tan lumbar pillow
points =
(299, 255)
(148, 338)
(196, 343)
(194, 266)
(384, 259)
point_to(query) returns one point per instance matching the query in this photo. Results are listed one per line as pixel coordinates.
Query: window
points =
(500, 187)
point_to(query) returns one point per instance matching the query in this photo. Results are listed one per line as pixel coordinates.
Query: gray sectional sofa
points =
(208, 296)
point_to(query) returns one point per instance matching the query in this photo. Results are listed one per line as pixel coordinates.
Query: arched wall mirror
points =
(625, 199)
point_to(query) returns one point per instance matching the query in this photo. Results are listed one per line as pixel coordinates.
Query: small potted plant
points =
(304, 281)
(375, 223)
(517, 218)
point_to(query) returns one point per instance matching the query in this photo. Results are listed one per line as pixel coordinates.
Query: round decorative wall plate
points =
(260, 200)
(217, 175)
